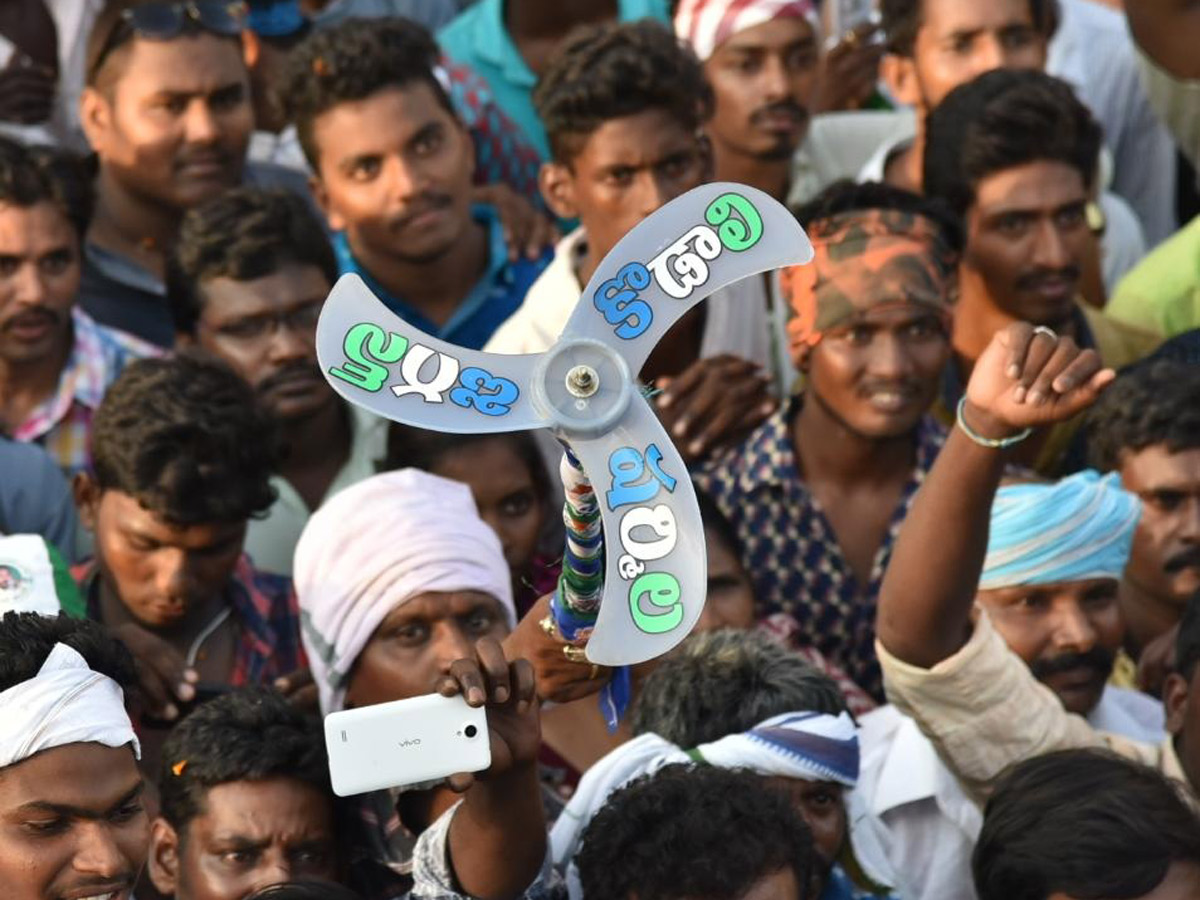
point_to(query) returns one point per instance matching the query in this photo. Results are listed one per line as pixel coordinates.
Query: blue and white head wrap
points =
(1075, 529)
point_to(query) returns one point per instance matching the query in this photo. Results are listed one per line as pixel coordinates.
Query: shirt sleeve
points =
(984, 711)
(433, 876)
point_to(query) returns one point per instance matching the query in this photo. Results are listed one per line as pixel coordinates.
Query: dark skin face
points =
(160, 572)
(622, 172)
(174, 124)
(265, 328)
(1165, 560)
(764, 79)
(1027, 237)
(1067, 633)
(1181, 701)
(878, 374)
(729, 602)
(820, 803)
(72, 824)
(394, 173)
(40, 269)
(417, 642)
(251, 834)
(958, 42)
(504, 493)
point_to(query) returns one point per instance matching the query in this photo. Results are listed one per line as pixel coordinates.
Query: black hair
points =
(26, 639)
(305, 890)
(250, 734)
(1085, 823)
(1156, 402)
(1003, 119)
(609, 71)
(902, 19)
(351, 61)
(851, 196)
(726, 682)
(187, 439)
(33, 175)
(718, 522)
(111, 36)
(419, 448)
(700, 832)
(243, 234)
(1187, 642)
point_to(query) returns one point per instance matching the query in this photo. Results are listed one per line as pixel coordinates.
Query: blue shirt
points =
(493, 299)
(478, 38)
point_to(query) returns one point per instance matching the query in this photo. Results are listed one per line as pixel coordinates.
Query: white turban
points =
(65, 703)
(707, 24)
(375, 546)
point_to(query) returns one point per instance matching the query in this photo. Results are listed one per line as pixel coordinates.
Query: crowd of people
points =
(949, 470)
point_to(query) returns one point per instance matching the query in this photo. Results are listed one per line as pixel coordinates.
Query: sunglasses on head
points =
(164, 21)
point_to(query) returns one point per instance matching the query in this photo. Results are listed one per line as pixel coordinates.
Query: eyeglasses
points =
(301, 320)
(164, 21)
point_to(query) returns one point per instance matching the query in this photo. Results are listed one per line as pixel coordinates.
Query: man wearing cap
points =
(398, 578)
(818, 491)
(1056, 553)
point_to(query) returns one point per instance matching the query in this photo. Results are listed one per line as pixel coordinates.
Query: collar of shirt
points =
(768, 459)
(498, 270)
(493, 43)
(123, 270)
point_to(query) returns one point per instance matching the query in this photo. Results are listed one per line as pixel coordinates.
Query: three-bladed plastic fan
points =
(583, 389)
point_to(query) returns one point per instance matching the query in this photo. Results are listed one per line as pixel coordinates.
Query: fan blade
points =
(655, 577)
(700, 242)
(378, 361)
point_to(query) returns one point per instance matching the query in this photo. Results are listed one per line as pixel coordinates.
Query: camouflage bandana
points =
(867, 260)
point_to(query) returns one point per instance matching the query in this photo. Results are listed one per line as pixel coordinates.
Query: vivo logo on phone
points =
(415, 742)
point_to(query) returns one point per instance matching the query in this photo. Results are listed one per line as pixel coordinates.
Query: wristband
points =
(990, 443)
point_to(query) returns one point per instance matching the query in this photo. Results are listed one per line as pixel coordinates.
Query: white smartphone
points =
(405, 742)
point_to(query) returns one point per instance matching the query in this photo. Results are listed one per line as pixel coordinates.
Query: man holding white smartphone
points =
(404, 590)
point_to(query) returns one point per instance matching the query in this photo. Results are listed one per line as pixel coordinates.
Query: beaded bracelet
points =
(990, 443)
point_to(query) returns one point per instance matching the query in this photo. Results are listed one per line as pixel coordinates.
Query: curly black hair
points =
(26, 639)
(187, 439)
(249, 734)
(352, 61)
(725, 682)
(604, 72)
(1157, 402)
(1004, 119)
(305, 890)
(1083, 823)
(849, 196)
(700, 832)
(243, 234)
(902, 19)
(33, 175)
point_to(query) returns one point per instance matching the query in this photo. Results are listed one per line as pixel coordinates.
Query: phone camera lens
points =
(470, 731)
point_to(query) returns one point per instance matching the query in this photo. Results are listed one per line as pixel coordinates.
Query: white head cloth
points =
(811, 746)
(706, 24)
(377, 545)
(65, 703)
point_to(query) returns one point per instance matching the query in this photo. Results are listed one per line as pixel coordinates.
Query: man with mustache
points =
(167, 110)
(1146, 428)
(392, 165)
(246, 282)
(818, 491)
(55, 361)
(1014, 154)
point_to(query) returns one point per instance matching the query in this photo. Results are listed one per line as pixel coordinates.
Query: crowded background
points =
(949, 471)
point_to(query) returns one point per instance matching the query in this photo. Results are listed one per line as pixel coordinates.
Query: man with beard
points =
(1146, 428)
(70, 790)
(392, 165)
(1051, 594)
(818, 491)
(246, 283)
(55, 361)
(167, 110)
(1014, 154)
(761, 60)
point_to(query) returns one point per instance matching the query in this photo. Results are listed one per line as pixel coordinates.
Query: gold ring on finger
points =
(574, 654)
(547, 625)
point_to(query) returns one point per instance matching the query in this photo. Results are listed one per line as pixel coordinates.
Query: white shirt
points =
(1123, 245)
(922, 818)
(281, 149)
(738, 320)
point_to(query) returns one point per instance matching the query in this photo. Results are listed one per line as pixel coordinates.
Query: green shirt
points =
(1162, 293)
